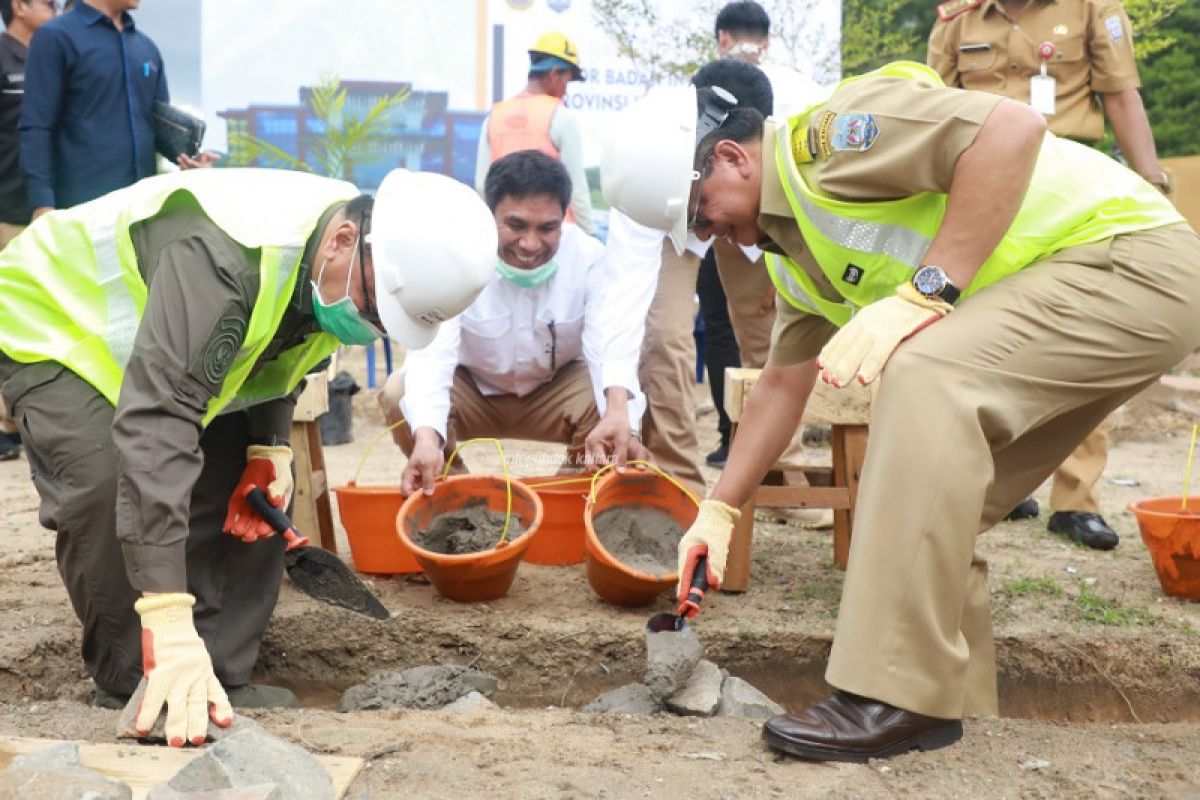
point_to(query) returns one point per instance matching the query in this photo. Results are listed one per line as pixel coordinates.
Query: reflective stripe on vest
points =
(1076, 196)
(73, 291)
(123, 315)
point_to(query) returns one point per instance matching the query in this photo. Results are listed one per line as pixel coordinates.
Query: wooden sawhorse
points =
(311, 511)
(848, 412)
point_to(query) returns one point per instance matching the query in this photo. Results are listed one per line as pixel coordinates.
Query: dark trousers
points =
(720, 345)
(66, 426)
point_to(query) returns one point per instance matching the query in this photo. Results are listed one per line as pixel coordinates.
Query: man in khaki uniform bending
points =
(1086, 47)
(988, 271)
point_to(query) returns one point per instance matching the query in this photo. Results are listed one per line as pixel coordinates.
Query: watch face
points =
(929, 280)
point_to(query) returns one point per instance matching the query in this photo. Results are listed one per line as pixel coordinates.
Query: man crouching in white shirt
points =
(529, 359)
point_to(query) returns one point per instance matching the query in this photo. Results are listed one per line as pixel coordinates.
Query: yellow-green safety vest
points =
(868, 248)
(71, 291)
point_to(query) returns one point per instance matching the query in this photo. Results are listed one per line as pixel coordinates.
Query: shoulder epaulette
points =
(952, 8)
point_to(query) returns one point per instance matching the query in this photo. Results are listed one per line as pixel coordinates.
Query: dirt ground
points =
(1099, 672)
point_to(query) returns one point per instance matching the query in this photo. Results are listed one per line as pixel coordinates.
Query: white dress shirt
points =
(513, 340)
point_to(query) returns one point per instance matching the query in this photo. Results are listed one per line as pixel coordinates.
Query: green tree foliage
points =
(876, 32)
(341, 141)
(671, 41)
(1171, 79)
(1166, 43)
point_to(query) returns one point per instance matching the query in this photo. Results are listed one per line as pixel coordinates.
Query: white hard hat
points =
(433, 242)
(646, 168)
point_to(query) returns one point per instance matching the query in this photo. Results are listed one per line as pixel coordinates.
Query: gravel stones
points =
(251, 758)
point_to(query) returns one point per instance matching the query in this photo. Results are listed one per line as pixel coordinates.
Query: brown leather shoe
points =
(846, 727)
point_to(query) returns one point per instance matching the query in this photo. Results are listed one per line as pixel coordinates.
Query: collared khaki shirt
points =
(921, 132)
(983, 48)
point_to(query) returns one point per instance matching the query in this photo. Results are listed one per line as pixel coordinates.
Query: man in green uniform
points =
(152, 343)
(1011, 287)
(1073, 61)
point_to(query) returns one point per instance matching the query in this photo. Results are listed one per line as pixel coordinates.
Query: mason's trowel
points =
(315, 571)
(690, 607)
(672, 647)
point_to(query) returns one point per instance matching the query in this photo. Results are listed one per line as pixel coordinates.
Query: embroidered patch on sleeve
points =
(854, 132)
(222, 348)
(822, 129)
(1116, 30)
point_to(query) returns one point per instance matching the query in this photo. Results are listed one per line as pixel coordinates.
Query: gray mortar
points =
(670, 658)
(470, 529)
(418, 687)
(641, 537)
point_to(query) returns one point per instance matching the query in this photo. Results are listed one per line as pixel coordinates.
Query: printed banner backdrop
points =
(238, 58)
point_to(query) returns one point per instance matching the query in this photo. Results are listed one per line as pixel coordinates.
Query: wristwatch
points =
(932, 282)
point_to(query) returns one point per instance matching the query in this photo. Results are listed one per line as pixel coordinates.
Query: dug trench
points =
(565, 658)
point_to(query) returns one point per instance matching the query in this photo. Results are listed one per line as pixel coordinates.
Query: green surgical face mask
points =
(527, 278)
(342, 318)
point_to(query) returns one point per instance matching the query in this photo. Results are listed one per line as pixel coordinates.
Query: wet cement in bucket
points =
(640, 537)
(470, 529)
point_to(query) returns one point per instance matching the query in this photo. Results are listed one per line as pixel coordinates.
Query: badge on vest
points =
(853, 274)
(854, 132)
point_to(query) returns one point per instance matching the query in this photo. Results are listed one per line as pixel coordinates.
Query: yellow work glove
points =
(864, 344)
(178, 672)
(269, 469)
(709, 535)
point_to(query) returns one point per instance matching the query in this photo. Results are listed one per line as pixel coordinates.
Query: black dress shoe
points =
(1084, 527)
(718, 457)
(846, 727)
(10, 446)
(1026, 509)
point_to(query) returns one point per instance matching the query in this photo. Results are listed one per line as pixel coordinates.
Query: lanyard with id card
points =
(1042, 86)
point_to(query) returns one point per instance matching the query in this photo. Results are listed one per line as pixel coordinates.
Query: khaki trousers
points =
(1074, 487)
(973, 414)
(667, 370)
(563, 410)
(746, 283)
(8, 232)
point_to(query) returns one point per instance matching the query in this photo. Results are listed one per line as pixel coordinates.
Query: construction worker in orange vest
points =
(536, 119)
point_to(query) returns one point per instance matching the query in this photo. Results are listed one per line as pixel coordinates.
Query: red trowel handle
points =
(691, 606)
(277, 519)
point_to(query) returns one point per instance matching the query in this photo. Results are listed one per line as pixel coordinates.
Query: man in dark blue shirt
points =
(91, 80)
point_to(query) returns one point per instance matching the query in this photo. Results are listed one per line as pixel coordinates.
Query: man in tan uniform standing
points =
(1073, 61)
(910, 235)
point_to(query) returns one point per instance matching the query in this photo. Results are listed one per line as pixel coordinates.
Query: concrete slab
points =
(670, 658)
(632, 698)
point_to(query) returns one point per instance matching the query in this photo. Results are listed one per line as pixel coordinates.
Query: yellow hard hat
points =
(560, 46)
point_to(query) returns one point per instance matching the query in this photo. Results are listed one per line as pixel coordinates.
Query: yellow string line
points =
(507, 479)
(1187, 473)
(652, 467)
(362, 461)
(560, 482)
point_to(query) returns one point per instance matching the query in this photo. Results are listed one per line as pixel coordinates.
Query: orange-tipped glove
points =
(709, 535)
(269, 469)
(178, 672)
(864, 344)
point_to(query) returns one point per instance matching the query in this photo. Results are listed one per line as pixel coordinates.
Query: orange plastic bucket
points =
(471, 577)
(1172, 535)
(560, 538)
(614, 581)
(368, 514)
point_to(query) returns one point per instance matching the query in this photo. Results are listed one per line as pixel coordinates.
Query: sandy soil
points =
(1099, 673)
